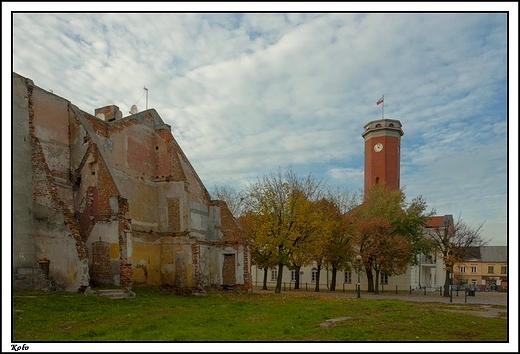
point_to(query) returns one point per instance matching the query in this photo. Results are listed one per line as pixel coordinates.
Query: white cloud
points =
(247, 93)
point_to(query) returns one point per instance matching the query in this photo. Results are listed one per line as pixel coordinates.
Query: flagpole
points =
(383, 108)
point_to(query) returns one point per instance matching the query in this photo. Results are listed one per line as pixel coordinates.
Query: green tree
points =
(389, 231)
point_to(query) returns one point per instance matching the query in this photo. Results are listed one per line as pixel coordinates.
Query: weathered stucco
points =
(119, 188)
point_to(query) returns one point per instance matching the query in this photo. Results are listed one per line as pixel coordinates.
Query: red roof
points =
(434, 221)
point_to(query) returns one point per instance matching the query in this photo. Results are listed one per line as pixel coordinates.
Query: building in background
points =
(484, 269)
(382, 159)
(104, 199)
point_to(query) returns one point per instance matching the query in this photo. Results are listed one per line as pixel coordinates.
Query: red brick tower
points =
(382, 152)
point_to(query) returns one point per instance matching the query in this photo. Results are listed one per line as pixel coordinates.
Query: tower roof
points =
(392, 125)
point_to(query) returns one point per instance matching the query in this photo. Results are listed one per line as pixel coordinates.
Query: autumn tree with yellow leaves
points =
(278, 206)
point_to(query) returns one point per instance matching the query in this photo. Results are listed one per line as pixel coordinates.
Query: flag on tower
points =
(381, 100)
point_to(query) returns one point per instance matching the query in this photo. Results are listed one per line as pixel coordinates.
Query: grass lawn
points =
(154, 315)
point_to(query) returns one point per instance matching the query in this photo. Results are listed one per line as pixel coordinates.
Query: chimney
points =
(108, 113)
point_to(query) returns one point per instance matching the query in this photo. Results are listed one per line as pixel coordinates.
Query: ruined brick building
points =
(106, 199)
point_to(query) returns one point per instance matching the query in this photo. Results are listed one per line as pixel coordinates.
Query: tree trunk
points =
(317, 287)
(370, 279)
(333, 280)
(446, 292)
(297, 280)
(264, 285)
(376, 289)
(278, 288)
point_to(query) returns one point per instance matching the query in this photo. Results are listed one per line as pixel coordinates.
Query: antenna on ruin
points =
(146, 96)
(133, 109)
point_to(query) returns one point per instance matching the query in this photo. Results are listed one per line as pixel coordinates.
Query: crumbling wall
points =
(24, 250)
(120, 183)
(54, 230)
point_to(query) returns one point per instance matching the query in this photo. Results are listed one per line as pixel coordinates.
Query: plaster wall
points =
(54, 242)
(22, 208)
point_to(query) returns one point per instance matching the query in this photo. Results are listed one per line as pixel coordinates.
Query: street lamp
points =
(358, 257)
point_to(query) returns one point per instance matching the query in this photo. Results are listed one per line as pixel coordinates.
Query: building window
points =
(503, 270)
(274, 274)
(348, 277)
(491, 269)
(293, 275)
(314, 274)
(473, 269)
(384, 278)
(463, 269)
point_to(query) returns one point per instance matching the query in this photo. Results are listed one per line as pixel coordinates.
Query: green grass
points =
(154, 315)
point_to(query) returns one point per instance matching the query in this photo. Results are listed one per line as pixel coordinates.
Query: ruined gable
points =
(114, 200)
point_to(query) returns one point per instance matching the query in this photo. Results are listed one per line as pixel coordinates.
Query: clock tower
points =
(382, 152)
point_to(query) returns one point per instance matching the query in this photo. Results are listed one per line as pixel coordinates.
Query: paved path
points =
(488, 298)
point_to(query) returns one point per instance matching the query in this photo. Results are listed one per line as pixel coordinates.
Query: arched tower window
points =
(377, 180)
(378, 125)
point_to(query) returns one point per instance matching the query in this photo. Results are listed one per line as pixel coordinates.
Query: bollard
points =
(457, 291)
(410, 290)
(396, 289)
(284, 286)
(305, 286)
(440, 290)
(343, 287)
(290, 285)
(451, 294)
(425, 290)
(465, 295)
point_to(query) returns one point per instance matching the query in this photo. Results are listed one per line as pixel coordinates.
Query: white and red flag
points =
(381, 100)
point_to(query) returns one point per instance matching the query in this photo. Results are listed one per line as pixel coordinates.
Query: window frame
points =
(348, 277)
(314, 275)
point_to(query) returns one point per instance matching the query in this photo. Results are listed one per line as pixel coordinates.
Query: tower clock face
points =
(378, 147)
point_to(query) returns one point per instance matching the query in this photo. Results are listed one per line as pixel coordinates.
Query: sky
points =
(248, 93)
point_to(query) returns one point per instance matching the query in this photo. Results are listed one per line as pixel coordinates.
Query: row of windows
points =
(314, 276)
(491, 269)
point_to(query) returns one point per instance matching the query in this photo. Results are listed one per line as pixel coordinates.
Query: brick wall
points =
(100, 268)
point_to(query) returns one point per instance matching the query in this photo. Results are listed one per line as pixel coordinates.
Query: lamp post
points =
(358, 257)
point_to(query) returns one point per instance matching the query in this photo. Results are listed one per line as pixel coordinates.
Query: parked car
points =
(455, 287)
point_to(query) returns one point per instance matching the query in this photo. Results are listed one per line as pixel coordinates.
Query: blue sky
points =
(247, 93)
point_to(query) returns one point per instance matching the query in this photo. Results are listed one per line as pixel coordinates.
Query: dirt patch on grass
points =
(484, 311)
(332, 322)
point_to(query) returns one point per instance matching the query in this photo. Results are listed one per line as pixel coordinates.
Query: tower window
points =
(377, 180)
(391, 124)
(378, 125)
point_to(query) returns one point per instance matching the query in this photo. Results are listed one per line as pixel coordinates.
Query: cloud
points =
(246, 93)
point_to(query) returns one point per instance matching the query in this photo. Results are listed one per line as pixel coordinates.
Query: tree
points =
(234, 198)
(389, 231)
(454, 242)
(339, 248)
(384, 250)
(261, 250)
(280, 203)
